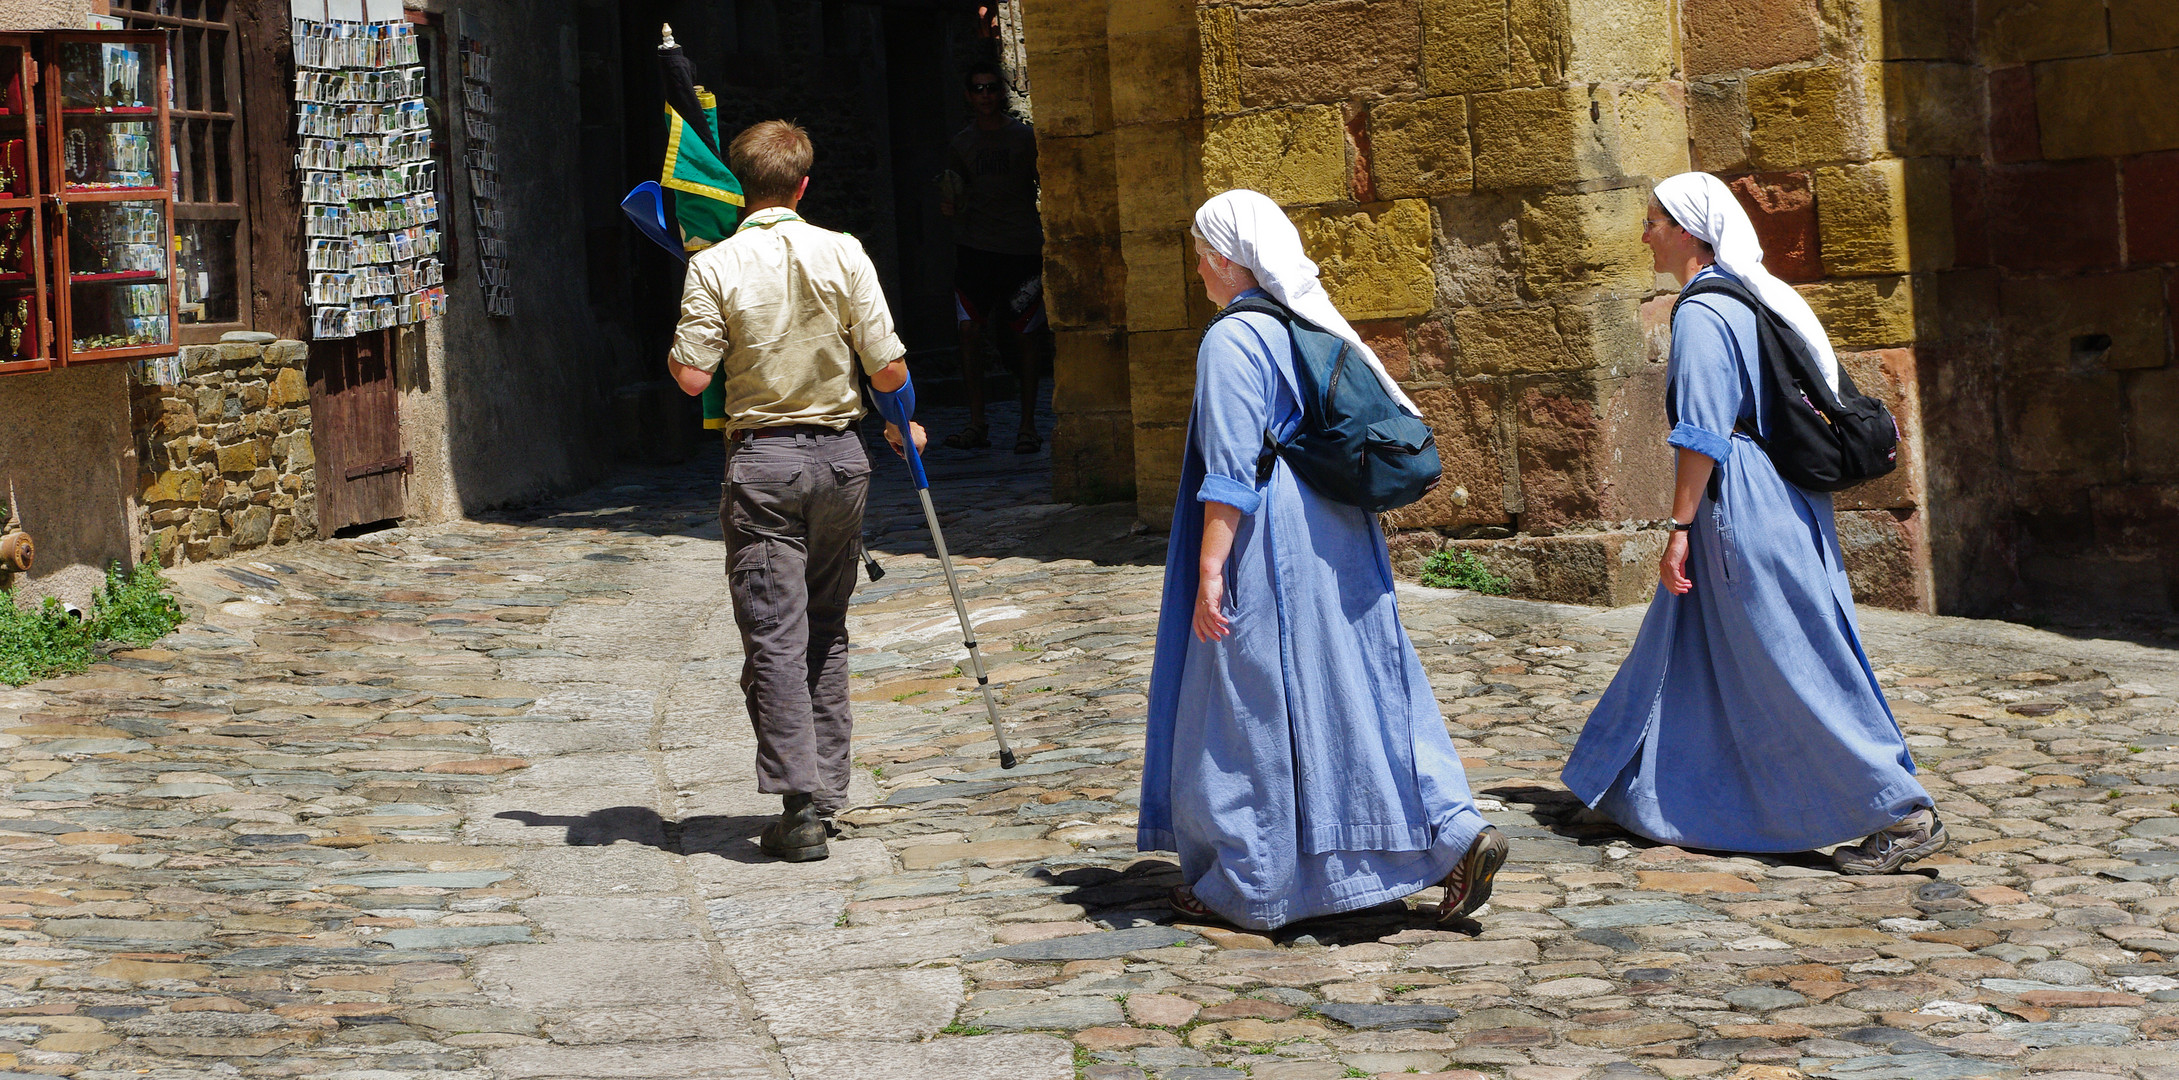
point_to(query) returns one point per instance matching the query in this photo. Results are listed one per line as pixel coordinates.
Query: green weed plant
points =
(132, 608)
(1462, 570)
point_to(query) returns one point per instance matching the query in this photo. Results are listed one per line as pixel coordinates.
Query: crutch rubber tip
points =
(1006, 759)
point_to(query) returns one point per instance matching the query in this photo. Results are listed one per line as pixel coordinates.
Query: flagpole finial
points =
(666, 34)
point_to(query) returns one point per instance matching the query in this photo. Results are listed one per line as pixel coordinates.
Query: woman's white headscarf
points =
(1248, 228)
(1704, 206)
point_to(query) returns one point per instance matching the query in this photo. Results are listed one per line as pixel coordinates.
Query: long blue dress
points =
(1746, 717)
(1301, 766)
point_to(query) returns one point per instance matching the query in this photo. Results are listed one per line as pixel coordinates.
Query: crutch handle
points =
(914, 456)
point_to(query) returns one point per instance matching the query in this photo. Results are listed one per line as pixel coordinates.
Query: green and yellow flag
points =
(707, 198)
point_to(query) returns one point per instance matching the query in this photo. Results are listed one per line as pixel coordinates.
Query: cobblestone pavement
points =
(476, 801)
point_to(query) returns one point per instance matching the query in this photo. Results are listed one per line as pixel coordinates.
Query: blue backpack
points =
(1355, 444)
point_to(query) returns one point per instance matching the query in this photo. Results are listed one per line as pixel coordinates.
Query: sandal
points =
(1468, 887)
(1028, 442)
(972, 437)
(1184, 902)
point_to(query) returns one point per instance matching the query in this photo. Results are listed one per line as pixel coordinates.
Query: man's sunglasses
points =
(985, 88)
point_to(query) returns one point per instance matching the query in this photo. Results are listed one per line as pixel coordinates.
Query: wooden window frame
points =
(237, 164)
(33, 202)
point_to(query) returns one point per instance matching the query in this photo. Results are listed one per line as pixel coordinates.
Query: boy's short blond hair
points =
(770, 159)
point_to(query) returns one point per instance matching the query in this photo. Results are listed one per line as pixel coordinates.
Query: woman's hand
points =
(1672, 569)
(1210, 609)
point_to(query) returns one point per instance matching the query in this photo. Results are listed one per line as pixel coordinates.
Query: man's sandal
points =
(1468, 887)
(1028, 442)
(972, 437)
(1184, 902)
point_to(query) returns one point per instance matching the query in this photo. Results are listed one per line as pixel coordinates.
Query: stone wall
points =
(2054, 413)
(224, 448)
(1471, 177)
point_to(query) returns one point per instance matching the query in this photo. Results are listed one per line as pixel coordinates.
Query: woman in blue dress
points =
(1746, 717)
(1296, 758)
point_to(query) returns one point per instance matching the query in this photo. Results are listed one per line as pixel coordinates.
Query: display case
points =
(86, 199)
(25, 313)
(106, 106)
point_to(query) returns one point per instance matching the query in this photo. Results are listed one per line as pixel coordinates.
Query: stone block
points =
(1090, 371)
(1431, 354)
(2054, 216)
(1077, 193)
(1885, 217)
(1295, 156)
(1890, 376)
(1074, 91)
(1153, 75)
(1619, 40)
(1636, 468)
(1608, 569)
(2013, 31)
(2141, 25)
(1464, 46)
(1161, 375)
(1473, 449)
(1805, 116)
(1478, 250)
(1542, 137)
(1934, 109)
(1652, 134)
(1782, 206)
(1925, 29)
(1420, 148)
(1720, 36)
(2152, 440)
(1328, 51)
(2015, 134)
(1590, 240)
(1055, 25)
(175, 485)
(1218, 70)
(1970, 215)
(1388, 339)
(1159, 167)
(1375, 262)
(240, 458)
(2152, 209)
(1886, 561)
(289, 388)
(251, 528)
(2104, 322)
(1158, 281)
(287, 353)
(2135, 515)
(1558, 432)
(1083, 281)
(1864, 313)
(1539, 41)
(1532, 340)
(1137, 16)
(2061, 422)
(1158, 452)
(2098, 106)
(1717, 124)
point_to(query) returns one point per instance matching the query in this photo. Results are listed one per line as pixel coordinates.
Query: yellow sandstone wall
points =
(1471, 176)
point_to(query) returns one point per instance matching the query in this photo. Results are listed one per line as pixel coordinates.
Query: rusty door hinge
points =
(402, 464)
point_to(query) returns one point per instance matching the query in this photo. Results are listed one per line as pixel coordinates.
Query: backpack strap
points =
(1268, 459)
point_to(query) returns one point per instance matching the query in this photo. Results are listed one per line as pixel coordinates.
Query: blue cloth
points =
(1300, 767)
(1746, 717)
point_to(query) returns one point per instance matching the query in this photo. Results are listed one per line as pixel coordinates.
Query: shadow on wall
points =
(72, 462)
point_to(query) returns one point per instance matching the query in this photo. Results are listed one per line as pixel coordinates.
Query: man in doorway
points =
(787, 309)
(990, 192)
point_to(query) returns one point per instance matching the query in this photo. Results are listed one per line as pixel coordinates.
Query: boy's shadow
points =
(1559, 814)
(730, 837)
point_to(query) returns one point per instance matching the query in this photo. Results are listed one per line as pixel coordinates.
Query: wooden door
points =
(356, 432)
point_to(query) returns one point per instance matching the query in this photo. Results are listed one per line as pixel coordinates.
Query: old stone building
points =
(1968, 195)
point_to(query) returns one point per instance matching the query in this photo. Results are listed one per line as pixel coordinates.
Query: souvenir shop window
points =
(106, 98)
(212, 244)
(25, 326)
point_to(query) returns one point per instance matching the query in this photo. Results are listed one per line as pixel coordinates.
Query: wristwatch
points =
(1683, 526)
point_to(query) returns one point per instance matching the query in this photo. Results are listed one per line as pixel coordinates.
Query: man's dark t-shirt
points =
(997, 208)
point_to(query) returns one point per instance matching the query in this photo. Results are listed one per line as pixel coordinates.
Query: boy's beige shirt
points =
(785, 307)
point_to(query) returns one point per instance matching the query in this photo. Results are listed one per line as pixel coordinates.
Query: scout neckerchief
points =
(766, 218)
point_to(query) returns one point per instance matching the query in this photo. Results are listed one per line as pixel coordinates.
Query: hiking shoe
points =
(1919, 835)
(798, 835)
(1468, 887)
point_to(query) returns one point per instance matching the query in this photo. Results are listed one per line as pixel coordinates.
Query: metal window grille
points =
(210, 219)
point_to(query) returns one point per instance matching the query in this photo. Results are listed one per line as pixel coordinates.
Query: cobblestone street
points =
(477, 800)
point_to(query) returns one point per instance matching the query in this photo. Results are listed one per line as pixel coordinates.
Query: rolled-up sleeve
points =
(699, 340)
(1234, 390)
(869, 320)
(1707, 390)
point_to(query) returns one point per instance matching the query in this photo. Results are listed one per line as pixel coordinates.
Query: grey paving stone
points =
(1058, 1014)
(982, 1057)
(2064, 1034)
(863, 1005)
(1388, 1017)
(1652, 913)
(687, 1059)
(1763, 998)
(1089, 946)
